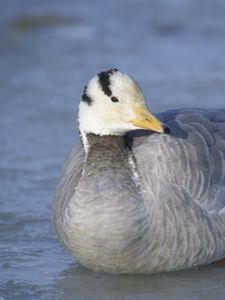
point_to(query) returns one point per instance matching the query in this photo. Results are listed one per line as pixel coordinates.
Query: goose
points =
(142, 193)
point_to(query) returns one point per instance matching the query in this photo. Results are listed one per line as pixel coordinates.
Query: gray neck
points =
(106, 152)
(108, 158)
(107, 180)
(109, 212)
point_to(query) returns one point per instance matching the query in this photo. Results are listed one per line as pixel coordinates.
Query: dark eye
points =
(114, 99)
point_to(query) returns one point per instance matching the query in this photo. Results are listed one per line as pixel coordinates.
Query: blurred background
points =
(49, 49)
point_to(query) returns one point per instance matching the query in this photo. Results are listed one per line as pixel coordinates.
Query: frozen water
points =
(48, 51)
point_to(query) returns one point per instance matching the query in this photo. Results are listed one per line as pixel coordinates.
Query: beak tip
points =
(166, 129)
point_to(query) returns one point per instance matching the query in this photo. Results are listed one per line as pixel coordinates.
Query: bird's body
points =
(147, 202)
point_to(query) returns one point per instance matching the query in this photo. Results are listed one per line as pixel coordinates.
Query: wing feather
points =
(192, 157)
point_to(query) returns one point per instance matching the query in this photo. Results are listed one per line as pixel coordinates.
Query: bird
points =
(142, 193)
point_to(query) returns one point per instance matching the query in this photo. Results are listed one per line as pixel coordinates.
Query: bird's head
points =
(113, 104)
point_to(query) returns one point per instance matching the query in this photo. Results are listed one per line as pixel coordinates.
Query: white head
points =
(112, 104)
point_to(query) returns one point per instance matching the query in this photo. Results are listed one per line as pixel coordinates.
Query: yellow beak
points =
(146, 120)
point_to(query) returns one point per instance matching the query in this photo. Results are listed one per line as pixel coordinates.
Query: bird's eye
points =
(114, 99)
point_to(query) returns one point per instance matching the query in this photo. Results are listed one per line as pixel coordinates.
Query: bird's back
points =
(191, 157)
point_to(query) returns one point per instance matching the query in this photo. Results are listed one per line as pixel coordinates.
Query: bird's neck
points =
(111, 213)
(108, 163)
(100, 147)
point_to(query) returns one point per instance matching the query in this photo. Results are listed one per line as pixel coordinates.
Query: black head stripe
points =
(104, 80)
(113, 70)
(85, 97)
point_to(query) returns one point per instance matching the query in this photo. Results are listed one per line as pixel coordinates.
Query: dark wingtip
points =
(166, 129)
